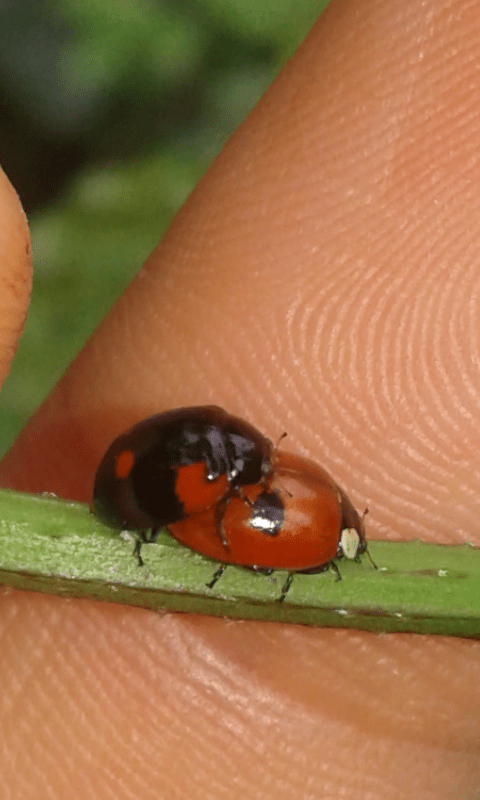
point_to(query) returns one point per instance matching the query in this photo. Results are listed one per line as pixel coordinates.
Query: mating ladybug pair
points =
(223, 490)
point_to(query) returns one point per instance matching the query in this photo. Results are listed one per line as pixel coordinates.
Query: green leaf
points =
(55, 546)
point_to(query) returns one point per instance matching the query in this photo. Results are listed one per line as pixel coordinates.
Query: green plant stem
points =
(51, 545)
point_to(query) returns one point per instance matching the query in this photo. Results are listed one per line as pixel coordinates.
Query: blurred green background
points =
(110, 112)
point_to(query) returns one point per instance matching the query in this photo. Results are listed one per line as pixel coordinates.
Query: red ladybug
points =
(175, 465)
(299, 522)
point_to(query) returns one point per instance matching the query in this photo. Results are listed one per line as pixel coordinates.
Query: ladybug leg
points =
(219, 515)
(334, 567)
(221, 508)
(138, 548)
(144, 537)
(372, 562)
(216, 576)
(286, 587)
(241, 494)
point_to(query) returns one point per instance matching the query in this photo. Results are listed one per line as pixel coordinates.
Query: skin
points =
(322, 279)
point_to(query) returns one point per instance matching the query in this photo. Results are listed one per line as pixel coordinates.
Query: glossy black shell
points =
(147, 497)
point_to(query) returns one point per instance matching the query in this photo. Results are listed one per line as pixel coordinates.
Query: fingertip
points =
(15, 272)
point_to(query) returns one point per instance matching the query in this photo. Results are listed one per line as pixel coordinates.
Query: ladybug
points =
(175, 465)
(300, 521)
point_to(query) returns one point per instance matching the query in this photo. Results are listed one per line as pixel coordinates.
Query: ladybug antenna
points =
(280, 438)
